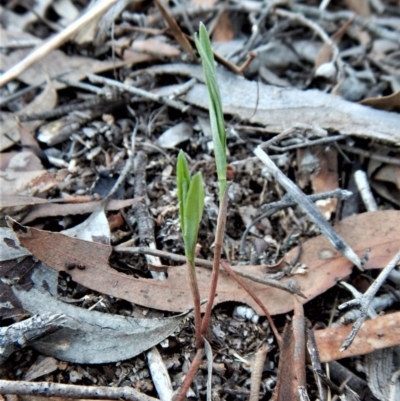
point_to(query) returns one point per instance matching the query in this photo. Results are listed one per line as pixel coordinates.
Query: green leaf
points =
(193, 212)
(191, 204)
(183, 183)
(216, 114)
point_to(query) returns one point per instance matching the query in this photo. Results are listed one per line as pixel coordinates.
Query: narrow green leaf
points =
(182, 183)
(216, 114)
(193, 212)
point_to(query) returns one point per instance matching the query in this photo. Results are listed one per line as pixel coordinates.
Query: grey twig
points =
(176, 104)
(371, 155)
(312, 211)
(145, 223)
(307, 143)
(288, 201)
(364, 301)
(46, 389)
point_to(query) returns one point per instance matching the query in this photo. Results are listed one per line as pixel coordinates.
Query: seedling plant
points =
(191, 202)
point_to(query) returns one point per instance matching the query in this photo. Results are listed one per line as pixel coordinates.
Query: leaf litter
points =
(90, 146)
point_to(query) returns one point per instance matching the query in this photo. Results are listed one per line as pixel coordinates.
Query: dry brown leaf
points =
(286, 375)
(325, 53)
(379, 231)
(389, 103)
(223, 32)
(27, 182)
(361, 7)
(176, 30)
(58, 209)
(325, 178)
(292, 369)
(155, 47)
(55, 64)
(46, 101)
(382, 332)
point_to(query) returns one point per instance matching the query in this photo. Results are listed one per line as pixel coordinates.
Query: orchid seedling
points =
(191, 205)
(203, 45)
(188, 188)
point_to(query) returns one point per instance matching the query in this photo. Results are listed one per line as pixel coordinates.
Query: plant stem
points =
(229, 270)
(194, 367)
(219, 237)
(196, 302)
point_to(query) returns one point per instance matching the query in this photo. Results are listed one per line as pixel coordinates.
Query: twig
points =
(365, 23)
(307, 143)
(208, 265)
(312, 211)
(256, 372)
(316, 364)
(286, 202)
(219, 237)
(367, 153)
(159, 374)
(229, 270)
(60, 111)
(176, 104)
(299, 352)
(145, 224)
(364, 301)
(55, 41)
(46, 389)
(319, 31)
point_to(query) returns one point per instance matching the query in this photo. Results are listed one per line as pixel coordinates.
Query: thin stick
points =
(313, 213)
(226, 266)
(219, 237)
(209, 265)
(139, 92)
(365, 300)
(46, 389)
(56, 41)
(256, 372)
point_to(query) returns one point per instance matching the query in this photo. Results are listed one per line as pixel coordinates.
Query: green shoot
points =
(216, 115)
(191, 205)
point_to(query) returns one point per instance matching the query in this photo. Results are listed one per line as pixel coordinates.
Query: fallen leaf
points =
(389, 103)
(176, 30)
(292, 369)
(382, 332)
(46, 101)
(326, 177)
(280, 108)
(361, 7)
(175, 135)
(378, 231)
(91, 336)
(325, 52)
(27, 182)
(223, 31)
(155, 48)
(66, 209)
(57, 64)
